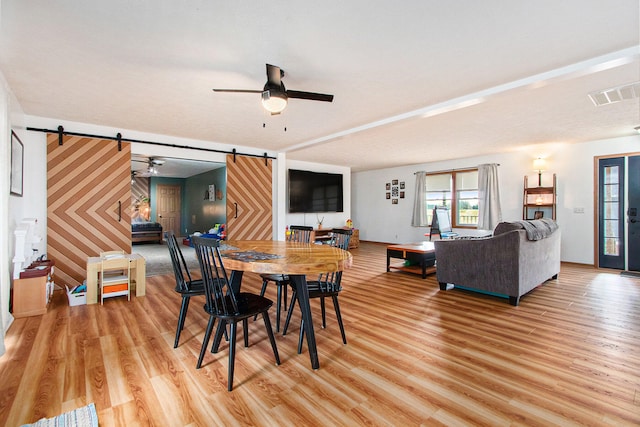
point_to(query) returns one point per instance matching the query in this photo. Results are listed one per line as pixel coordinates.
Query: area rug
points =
(81, 417)
(158, 260)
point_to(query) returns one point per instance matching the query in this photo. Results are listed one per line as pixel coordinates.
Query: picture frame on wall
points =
(394, 201)
(388, 186)
(17, 166)
(394, 182)
(388, 195)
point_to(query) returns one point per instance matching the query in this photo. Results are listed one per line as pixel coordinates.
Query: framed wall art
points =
(17, 165)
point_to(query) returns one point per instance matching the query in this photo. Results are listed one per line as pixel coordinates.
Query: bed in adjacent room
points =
(146, 231)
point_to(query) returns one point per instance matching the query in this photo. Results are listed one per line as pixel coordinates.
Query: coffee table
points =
(422, 254)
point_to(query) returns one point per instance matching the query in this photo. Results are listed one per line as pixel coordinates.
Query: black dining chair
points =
(226, 305)
(327, 285)
(185, 285)
(297, 233)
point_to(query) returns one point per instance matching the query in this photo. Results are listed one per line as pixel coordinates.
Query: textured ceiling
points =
(421, 81)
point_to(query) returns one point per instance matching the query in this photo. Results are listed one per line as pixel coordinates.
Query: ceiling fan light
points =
(274, 102)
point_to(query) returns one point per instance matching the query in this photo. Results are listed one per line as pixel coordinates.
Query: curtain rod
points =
(450, 170)
(119, 138)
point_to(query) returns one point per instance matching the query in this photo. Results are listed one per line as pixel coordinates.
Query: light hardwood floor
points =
(568, 355)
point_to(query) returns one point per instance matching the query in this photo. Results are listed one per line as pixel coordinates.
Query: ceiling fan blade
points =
(237, 90)
(274, 74)
(310, 96)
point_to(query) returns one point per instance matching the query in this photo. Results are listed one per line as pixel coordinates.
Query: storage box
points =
(76, 299)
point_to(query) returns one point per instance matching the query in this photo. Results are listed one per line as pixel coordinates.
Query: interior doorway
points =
(168, 205)
(618, 242)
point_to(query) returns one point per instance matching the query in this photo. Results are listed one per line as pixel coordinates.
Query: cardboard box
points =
(76, 299)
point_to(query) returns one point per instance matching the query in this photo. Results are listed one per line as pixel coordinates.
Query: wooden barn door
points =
(88, 202)
(249, 198)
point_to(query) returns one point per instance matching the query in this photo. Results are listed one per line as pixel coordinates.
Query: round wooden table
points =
(291, 258)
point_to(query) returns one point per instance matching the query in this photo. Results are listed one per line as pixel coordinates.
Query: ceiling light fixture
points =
(274, 101)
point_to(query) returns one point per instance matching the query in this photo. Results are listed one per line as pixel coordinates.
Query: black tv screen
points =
(314, 191)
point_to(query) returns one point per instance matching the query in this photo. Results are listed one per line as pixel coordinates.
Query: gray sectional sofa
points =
(519, 256)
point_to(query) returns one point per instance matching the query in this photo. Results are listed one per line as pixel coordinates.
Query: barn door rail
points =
(119, 138)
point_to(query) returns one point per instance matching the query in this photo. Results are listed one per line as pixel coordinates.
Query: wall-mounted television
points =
(314, 191)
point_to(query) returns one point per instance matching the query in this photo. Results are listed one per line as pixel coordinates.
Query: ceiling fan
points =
(152, 169)
(275, 95)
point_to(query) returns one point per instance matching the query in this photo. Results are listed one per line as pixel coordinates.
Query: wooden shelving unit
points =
(538, 200)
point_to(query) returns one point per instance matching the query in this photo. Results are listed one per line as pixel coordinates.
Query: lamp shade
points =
(274, 101)
(539, 164)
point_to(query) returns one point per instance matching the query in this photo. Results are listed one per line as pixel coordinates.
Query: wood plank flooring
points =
(568, 355)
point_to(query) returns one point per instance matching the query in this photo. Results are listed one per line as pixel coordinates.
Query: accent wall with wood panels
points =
(88, 202)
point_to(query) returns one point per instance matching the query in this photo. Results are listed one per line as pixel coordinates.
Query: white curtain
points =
(420, 202)
(489, 211)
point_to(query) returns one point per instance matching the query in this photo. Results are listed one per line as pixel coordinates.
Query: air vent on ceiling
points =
(615, 94)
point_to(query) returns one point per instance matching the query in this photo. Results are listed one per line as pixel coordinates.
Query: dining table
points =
(294, 259)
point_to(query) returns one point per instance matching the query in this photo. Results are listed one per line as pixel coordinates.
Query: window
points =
(462, 184)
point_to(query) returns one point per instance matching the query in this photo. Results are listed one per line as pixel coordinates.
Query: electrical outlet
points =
(578, 210)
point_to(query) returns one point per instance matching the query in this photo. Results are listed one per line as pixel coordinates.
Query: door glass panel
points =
(611, 205)
(612, 211)
(611, 175)
(611, 247)
(611, 192)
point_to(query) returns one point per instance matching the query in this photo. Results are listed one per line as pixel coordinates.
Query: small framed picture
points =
(394, 191)
(388, 186)
(388, 195)
(17, 165)
(402, 194)
(394, 201)
(402, 185)
(538, 214)
(394, 182)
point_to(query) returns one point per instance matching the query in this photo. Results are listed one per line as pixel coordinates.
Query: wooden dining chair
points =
(185, 285)
(115, 275)
(224, 304)
(297, 233)
(327, 285)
